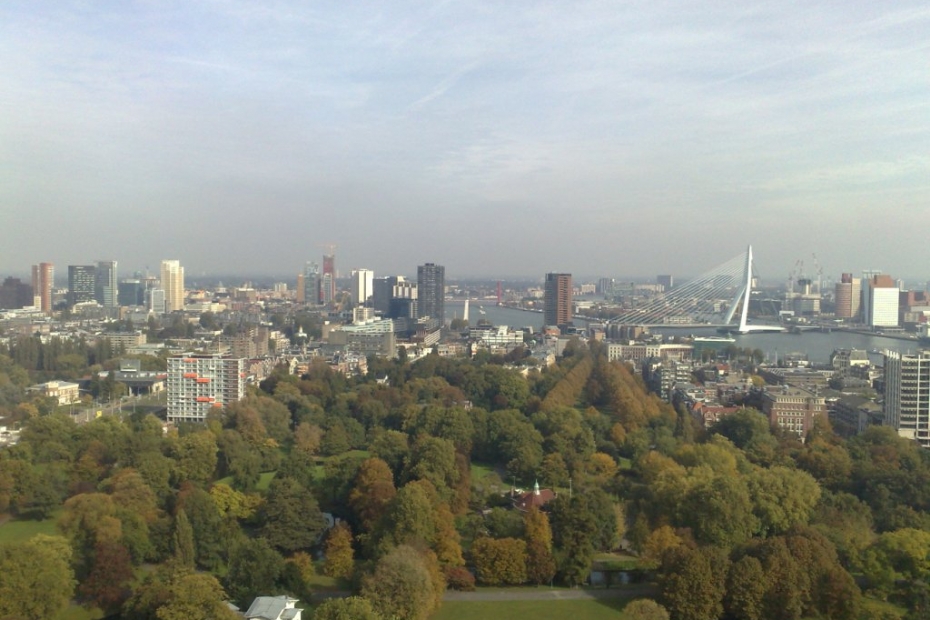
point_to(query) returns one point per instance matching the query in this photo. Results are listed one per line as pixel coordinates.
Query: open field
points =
(607, 609)
(16, 530)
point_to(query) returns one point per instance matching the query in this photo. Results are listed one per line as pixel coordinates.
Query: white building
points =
(172, 282)
(198, 383)
(880, 302)
(907, 395)
(363, 285)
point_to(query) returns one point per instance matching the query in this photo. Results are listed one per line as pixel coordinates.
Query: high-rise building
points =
(848, 296)
(82, 280)
(907, 395)
(172, 283)
(666, 281)
(431, 292)
(106, 289)
(311, 284)
(15, 294)
(131, 292)
(328, 279)
(198, 383)
(362, 286)
(382, 291)
(557, 301)
(43, 279)
(880, 298)
(155, 300)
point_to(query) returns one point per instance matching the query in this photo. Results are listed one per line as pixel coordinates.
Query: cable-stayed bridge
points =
(711, 300)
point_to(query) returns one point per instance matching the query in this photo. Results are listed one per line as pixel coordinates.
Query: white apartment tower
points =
(880, 296)
(907, 395)
(198, 383)
(172, 282)
(363, 284)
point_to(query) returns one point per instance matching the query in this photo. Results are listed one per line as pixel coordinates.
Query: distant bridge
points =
(710, 300)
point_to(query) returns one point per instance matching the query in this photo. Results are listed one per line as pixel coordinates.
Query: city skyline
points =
(588, 138)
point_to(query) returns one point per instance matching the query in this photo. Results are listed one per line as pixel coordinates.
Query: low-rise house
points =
(273, 608)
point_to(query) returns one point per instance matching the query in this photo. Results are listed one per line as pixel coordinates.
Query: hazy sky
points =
(615, 138)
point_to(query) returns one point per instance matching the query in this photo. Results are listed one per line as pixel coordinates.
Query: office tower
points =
(172, 283)
(105, 287)
(382, 291)
(328, 279)
(43, 279)
(82, 282)
(301, 288)
(880, 299)
(431, 292)
(198, 383)
(907, 395)
(310, 283)
(848, 296)
(15, 294)
(131, 292)
(362, 286)
(666, 281)
(557, 303)
(155, 300)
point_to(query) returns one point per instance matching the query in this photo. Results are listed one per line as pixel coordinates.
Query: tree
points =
(746, 585)
(340, 562)
(36, 580)
(107, 585)
(782, 498)
(350, 608)
(500, 561)
(645, 609)
(195, 596)
(401, 586)
(690, 590)
(207, 524)
(196, 456)
(183, 540)
(659, 541)
(291, 517)
(433, 459)
(254, 568)
(540, 563)
(410, 518)
(372, 493)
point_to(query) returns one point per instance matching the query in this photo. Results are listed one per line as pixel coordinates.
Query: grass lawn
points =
(537, 610)
(76, 612)
(480, 471)
(264, 479)
(16, 530)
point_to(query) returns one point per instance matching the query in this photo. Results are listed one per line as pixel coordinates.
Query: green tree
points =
(340, 561)
(401, 586)
(207, 523)
(500, 561)
(196, 456)
(350, 608)
(36, 580)
(254, 569)
(746, 585)
(645, 609)
(291, 517)
(690, 590)
(782, 498)
(183, 540)
(195, 596)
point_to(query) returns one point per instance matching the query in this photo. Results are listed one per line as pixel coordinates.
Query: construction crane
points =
(819, 273)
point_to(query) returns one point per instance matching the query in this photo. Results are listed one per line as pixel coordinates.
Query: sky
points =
(495, 138)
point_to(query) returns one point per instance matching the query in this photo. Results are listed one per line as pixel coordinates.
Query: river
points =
(817, 346)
